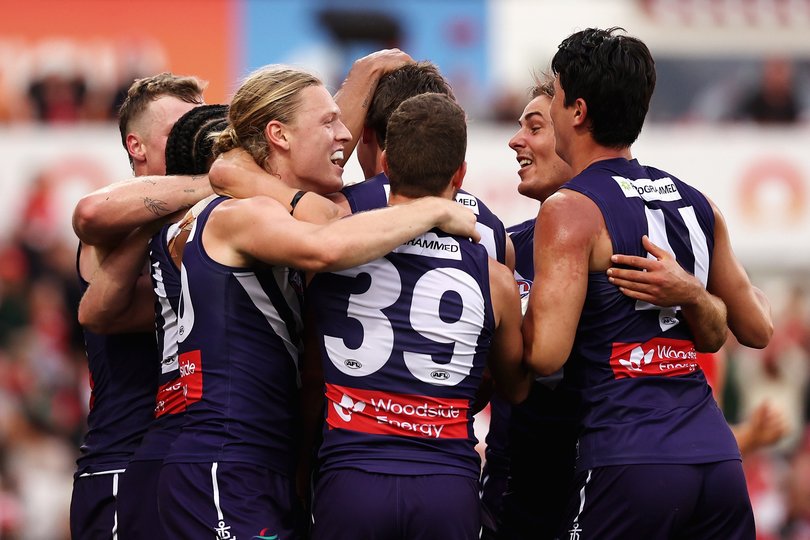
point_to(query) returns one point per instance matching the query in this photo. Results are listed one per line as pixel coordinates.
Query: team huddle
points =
(276, 356)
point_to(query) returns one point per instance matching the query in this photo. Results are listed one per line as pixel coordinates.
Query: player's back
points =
(404, 341)
(645, 396)
(374, 193)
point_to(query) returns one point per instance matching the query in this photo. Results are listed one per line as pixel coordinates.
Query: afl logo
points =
(440, 374)
(669, 320)
(353, 364)
(524, 287)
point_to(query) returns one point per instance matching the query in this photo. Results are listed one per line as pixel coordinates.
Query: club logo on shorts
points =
(224, 531)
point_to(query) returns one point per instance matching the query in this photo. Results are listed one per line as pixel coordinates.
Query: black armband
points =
(295, 200)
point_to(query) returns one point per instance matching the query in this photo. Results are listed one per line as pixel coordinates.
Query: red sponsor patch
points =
(191, 376)
(171, 398)
(385, 413)
(659, 356)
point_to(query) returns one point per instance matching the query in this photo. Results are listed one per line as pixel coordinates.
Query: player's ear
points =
(580, 111)
(384, 162)
(135, 147)
(458, 176)
(276, 134)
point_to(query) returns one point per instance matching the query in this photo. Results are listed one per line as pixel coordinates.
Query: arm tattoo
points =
(148, 181)
(156, 206)
(195, 177)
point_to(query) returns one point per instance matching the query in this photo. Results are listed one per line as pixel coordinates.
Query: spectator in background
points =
(57, 89)
(779, 373)
(774, 100)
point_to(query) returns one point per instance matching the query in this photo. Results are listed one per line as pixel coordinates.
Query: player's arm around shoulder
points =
(105, 216)
(566, 231)
(749, 312)
(237, 175)
(260, 228)
(512, 376)
(240, 232)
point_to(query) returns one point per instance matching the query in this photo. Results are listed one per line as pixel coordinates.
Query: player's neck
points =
(395, 198)
(595, 153)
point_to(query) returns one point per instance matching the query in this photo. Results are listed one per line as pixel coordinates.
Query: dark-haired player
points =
(654, 441)
(392, 89)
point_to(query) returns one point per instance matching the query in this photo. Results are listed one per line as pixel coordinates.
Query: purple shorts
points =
(137, 502)
(354, 504)
(659, 501)
(227, 500)
(92, 506)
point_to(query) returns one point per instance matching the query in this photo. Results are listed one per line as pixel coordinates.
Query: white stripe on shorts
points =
(216, 490)
(115, 512)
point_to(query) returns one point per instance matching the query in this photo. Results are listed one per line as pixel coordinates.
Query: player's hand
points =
(660, 281)
(229, 167)
(383, 61)
(457, 220)
(766, 425)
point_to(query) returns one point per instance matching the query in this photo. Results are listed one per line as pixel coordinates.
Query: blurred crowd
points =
(64, 82)
(43, 384)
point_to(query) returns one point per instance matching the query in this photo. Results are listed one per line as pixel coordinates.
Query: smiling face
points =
(316, 139)
(542, 171)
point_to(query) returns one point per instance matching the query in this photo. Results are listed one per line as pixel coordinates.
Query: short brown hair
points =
(427, 141)
(397, 86)
(144, 91)
(543, 86)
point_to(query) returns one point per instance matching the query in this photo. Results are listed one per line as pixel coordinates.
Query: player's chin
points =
(527, 186)
(329, 184)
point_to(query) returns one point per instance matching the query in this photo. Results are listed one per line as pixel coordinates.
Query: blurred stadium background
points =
(64, 64)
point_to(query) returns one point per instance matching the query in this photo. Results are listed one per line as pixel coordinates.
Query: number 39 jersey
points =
(646, 399)
(404, 341)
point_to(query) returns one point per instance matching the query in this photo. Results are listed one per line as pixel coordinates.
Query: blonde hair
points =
(269, 93)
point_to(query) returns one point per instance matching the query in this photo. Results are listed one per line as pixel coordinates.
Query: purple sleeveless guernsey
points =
(497, 458)
(373, 193)
(238, 343)
(169, 402)
(123, 378)
(404, 341)
(645, 397)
